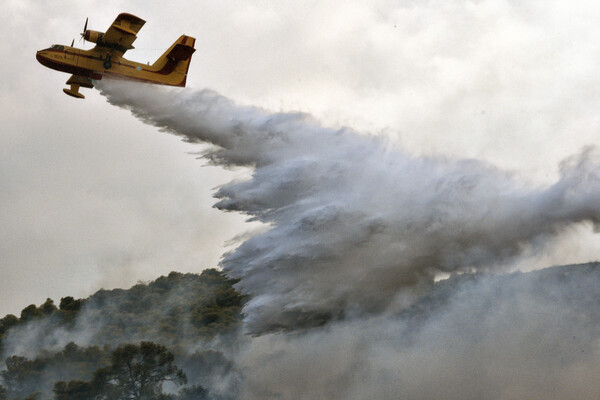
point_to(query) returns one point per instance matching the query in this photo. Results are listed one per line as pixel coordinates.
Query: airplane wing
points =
(122, 33)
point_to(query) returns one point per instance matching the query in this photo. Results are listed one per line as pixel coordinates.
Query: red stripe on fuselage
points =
(69, 68)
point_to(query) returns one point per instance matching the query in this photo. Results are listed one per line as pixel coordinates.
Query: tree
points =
(74, 390)
(2, 393)
(137, 373)
(48, 308)
(30, 312)
(7, 322)
(18, 374)
(70, 304)
(195, 392)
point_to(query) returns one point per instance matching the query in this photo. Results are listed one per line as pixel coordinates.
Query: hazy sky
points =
(90, 197)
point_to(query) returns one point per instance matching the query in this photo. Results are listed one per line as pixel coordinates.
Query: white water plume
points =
(357, 225)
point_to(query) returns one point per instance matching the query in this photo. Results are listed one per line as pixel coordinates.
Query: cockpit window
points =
(57, 47)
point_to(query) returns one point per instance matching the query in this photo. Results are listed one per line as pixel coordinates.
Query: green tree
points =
(70, 304)
(48, 308)
(19, 372)
(30, 312)
(7, 322)
(137, 373)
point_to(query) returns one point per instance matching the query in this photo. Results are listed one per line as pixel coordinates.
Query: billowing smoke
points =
(523, 336)
(356, 226)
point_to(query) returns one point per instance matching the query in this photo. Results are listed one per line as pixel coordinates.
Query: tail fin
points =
(176, 60)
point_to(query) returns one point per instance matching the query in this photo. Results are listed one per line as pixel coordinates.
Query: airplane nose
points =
(42, 58)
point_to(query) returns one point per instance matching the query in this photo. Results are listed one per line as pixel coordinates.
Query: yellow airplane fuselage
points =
(93, 64)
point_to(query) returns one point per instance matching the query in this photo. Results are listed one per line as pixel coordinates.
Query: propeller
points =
(84, 30)
(72, 42)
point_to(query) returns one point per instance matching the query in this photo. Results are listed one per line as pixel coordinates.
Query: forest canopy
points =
(170, 316)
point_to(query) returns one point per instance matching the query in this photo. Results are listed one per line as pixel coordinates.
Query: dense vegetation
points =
(171, 310)
(135, 373)
(177, 314)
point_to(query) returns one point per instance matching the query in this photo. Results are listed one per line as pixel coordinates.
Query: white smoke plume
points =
(356, 225)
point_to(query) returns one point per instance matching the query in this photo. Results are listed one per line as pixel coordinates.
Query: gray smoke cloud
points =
(523, 336)
(355, 225)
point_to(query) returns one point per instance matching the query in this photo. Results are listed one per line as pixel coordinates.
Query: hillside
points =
(52, 352)
(184, 312)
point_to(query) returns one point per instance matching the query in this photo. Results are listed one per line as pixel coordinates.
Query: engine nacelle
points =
(93, 36)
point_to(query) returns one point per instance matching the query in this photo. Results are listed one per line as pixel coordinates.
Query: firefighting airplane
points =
(106, 59)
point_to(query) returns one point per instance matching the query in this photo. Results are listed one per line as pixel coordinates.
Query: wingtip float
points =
(106, 59)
